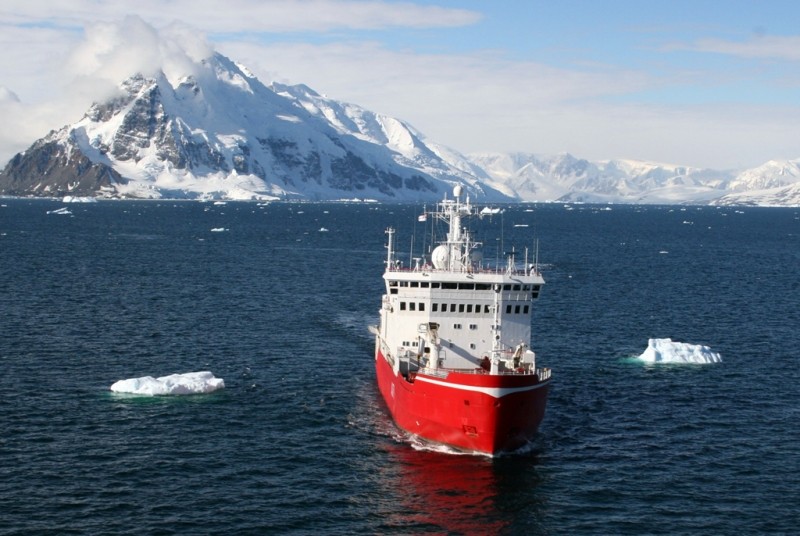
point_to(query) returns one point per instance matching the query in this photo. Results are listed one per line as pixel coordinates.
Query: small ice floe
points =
(667, 351)
(489, 211)
(189, 383)
(63, 211)
(219, 230)
(323, 230)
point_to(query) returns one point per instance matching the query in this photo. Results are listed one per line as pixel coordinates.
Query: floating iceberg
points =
(491, 211)
(190, 383)
(667, 351)
(64, 211)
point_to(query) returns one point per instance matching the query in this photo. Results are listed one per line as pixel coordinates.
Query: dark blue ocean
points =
(299, 442)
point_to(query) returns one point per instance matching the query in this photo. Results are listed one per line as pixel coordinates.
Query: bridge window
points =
(535, 291)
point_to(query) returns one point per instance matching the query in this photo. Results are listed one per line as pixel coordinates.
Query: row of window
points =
(463, 286)
(462, 308)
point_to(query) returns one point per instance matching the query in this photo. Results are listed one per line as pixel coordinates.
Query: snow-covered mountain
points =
(566, 178)
(221, 133)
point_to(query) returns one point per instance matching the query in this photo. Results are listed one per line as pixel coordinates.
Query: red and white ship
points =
(452, 351)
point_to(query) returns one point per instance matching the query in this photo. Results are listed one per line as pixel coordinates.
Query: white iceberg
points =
(490, 211)
(64, 211)
(190, 383)
(667, 351)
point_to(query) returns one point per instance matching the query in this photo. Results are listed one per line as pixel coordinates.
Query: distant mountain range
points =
(569, 179)
(222, 134)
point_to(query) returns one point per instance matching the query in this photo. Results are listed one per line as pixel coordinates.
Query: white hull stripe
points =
(496, 392)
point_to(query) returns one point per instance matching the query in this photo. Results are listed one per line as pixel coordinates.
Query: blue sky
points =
(701, 83)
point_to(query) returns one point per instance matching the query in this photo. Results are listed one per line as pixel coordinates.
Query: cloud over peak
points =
(113, 51)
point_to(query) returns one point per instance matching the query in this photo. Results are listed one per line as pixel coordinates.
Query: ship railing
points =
(491, 271)
(439, 373)
(544, 374)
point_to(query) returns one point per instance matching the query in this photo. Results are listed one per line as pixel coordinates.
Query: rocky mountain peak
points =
(220, 132)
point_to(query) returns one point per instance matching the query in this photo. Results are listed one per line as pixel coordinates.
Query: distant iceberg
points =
(64, 211)
(667, 351)
(190, 383)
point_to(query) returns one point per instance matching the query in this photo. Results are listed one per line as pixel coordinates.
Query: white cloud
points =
(759, 47)
(247, 15)
(111, 52)
(8, 96)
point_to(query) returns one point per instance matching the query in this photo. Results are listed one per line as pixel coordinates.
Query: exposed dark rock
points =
(50, 168)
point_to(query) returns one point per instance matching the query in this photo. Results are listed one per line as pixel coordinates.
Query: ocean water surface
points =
(276, 300)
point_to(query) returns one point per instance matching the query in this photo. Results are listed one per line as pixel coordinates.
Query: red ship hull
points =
(468, 410)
